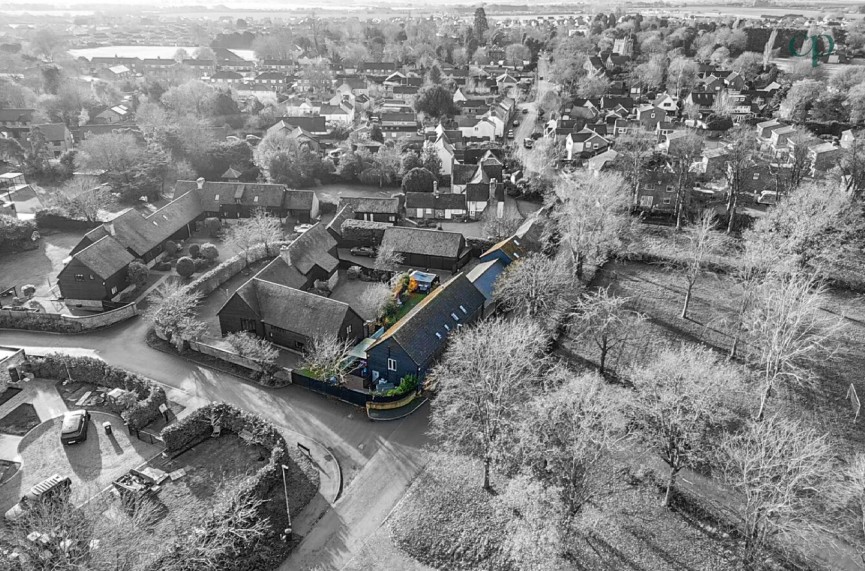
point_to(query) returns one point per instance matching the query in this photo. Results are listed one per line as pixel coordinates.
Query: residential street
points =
(378, 460)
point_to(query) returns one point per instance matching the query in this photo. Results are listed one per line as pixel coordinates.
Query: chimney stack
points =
(200, 182)
(285, 254)
(109, 227)
(493, 187)
(436, 187)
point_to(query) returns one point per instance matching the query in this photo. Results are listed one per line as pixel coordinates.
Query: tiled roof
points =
(105, 257)
(423, 241)
(416, 332)
(444, 201)
(374, 205)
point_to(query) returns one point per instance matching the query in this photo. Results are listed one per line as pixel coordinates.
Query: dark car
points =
(363, 251)
(54, 488)
(74, 427)
(525, 110)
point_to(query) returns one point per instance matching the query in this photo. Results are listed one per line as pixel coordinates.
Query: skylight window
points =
(454, 315)
(216, 197)
(439, 335)
(255, 199)
(463, 309)
(447, 327)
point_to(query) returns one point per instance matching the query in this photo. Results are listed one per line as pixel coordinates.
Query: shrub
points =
(171, 248)
(185, 267)
(194, 250)
(28, 291)
(209, 251)
(137, 273)
(201, 264)
(15, 233)
(418, 180)
(92, 370)
(213, 226)
(407, 384)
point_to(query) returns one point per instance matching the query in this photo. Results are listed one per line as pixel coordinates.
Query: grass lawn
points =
(92, 465)
(8, 394)
(20, 421)
(447, 521)
(7, 469)
(214, 466)
(408, 303)
(38, 266)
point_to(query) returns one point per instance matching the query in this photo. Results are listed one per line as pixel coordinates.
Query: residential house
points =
(338, 113)
(666, 102)
(599, 162)
(286, 316)
(58, 139)
(594, 66)
(404, 92)
(479, 129)
(484, 276)
(435, 205)
(714, 161)
(241, 200)
(674, 141)
(427, 249)
(412, 345)
(315, 125)
(702, 101)
(657, 193)
(649, 116)
(445, 151)
(16, 122)
(274, 80)
(226, 77)
(584, 143)
(110, 115)
(765, 128)
(397, 125)
(506, 251)
(824, 157)
(473, 107)
(374, 209)
(780, 137)
(354, 86)
(141, 237)
(310, 261)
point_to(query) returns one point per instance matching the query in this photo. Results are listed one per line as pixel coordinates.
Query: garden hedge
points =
(92, 370)
(198, 425)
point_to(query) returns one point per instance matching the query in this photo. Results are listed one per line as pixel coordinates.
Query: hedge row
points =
(32, 321)
(215, 277)
(199, 425)
(92, 370)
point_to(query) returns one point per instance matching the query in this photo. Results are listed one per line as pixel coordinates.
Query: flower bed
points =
(150, 395)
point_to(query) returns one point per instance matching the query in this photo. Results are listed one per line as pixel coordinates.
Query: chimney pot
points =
(200, 182)
(285, 254)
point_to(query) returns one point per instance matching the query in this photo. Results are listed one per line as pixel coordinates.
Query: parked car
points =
(54, 488)
(528, 142)
(516, 122)
(525, 110)
(301, 228)
(74, 427)
(511, 134)
(363, 251)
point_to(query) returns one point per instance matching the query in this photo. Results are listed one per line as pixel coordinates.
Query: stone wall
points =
(207, 282)
(15, 359)
(62, 323)
(223, 354)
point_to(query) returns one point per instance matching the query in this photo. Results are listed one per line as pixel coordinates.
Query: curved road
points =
(379, 460)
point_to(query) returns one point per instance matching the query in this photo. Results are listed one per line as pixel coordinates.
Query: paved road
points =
(379, 460)
(527, 122)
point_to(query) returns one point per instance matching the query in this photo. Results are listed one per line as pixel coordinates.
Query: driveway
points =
(370, 491)
(92, 465)
(38, 267)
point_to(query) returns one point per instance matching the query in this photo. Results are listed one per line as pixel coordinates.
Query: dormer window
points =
(255, 199)
(756, 176)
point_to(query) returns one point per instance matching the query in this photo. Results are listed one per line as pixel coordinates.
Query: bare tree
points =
(482, 378)
(387, 259)
(680, 394)
(605, 320)
(82, 199)
(701, 240)
(375, 301)
(260, 228)
(809, 229)
(683, 156)
(634, 151)
(327, 358)
(776, 466)
(592, 216)
(172, 312)
(787, 330)
(254, 348)
(568, 434)
(500, 228)
(536, 286)
(849, 498)
(740, 153)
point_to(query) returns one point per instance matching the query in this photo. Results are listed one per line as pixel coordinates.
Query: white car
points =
(768, 197)
(301, 228)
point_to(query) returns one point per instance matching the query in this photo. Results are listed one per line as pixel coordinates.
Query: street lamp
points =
(287, 508)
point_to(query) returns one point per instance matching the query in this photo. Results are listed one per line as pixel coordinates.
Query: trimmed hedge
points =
(207, 282)
(92, 370)
(198, 426)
